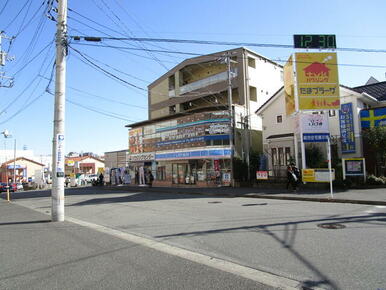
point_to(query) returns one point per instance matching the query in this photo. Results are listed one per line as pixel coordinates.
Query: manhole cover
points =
(331, 226)
(214, 201)
(253, 204)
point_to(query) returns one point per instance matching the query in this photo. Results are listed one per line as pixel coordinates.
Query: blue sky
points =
(99, 107)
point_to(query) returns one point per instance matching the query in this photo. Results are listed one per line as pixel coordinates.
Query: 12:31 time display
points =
(320, 41)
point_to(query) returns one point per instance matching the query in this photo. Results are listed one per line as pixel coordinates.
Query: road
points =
(272, 236)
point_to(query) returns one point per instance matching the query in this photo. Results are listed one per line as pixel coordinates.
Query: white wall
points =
(267, 79)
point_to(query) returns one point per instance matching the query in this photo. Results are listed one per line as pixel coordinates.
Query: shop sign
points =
(70, 162)
(141, 157)
(213, 153)
(373, 117)
(289, 91)
(262, 175)
(315, 137)
(313, 123)
(226, 178)
(317, 175)
(317, 81)
(217, 129)
(346, 124)
(17, 166)
(354, 166)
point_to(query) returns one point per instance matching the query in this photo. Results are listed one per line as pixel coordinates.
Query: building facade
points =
(281, 139)
(192, 134)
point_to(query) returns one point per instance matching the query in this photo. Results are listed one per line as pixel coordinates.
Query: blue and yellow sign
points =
(346, 124)
(373, 117)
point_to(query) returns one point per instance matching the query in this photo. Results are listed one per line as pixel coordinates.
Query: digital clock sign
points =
(318, 41)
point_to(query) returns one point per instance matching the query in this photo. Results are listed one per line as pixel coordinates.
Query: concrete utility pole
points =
(58, 153)
(231, 129)
(3, 59)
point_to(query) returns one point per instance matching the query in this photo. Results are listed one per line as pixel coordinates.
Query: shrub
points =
(373, 180)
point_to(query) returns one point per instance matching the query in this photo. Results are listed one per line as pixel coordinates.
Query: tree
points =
(375, 137)
(314, 157)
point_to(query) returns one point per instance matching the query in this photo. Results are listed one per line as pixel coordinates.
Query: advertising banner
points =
(289, 90)
(317, 81)
(317, 175)
(313, 123)
(135, 141)
(261, 175)
(373, 117)
(346, 125)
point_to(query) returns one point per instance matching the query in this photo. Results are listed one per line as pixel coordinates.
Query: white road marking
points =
(262, 277)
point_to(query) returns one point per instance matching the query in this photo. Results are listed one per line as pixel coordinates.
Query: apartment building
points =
(192, 134)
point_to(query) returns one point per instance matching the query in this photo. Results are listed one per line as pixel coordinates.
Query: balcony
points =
(217, 78)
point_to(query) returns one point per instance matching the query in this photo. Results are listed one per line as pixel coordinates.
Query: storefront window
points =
(161, 173)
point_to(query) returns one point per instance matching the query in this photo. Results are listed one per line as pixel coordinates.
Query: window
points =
(252, 94)
(172, 109)
(274, 157)
(279, 119)
(287, 155)
(251, 62)
(281, 156)
(161, 173)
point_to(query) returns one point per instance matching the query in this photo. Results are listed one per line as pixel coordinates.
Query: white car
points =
(91, 177)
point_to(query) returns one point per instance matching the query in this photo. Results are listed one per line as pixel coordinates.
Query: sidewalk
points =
(372, 196)
(39, 254)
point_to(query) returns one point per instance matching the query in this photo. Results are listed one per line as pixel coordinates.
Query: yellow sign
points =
(289, 91)
(70, 162)
(308, 175)
(317, 175)
(317, 81)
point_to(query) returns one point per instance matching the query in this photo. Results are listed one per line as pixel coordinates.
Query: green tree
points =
(314, 157)
(376, 138)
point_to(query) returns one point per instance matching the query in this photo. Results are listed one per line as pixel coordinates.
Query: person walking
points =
(296, 171)
(291, 178)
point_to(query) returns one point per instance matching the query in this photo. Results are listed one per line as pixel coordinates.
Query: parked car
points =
(91, 177)
(19, 186)
(12, 187)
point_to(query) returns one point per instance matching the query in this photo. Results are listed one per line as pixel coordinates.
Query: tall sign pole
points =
(58, 153)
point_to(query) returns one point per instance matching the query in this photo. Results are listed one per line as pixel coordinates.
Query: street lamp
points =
(6, 136)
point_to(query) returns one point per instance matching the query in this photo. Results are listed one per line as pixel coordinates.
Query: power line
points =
(105, 71)
(211, 57)
(228, 43)
(109, 114)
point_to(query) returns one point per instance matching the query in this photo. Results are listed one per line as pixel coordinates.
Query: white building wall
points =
(267, 78)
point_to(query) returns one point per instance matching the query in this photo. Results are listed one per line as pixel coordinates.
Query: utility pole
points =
(230, 107)
(3, 59)
(58, 153)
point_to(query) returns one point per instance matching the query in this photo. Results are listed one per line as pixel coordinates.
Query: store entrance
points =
(184, 173)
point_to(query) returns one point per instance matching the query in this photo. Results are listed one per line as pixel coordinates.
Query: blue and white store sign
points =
(212, 153)
(314, 127)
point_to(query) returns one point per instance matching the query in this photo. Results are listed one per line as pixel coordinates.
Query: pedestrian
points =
(296, 171)
(101, 179)
(291, 178)
(151, 178)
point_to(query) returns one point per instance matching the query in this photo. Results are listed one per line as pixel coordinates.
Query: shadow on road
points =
(288, 239)
(25, 222)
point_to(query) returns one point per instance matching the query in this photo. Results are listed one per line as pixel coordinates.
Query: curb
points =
(264, 196)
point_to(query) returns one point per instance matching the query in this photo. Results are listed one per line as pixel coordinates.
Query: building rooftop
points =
(376, 90)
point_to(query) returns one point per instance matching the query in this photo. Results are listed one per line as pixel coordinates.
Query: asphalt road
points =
(275, 236)
(38, 254)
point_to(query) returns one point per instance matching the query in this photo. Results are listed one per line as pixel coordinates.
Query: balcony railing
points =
(217, 78)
